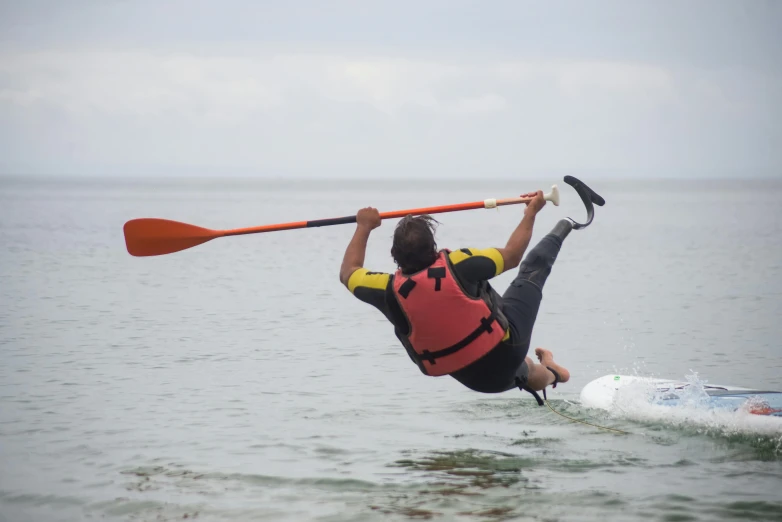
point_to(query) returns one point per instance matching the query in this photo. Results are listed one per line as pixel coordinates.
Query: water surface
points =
(239, 380)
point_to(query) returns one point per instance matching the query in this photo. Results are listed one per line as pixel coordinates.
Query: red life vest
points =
(449, 329)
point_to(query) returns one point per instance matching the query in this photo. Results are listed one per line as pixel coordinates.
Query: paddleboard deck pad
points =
(606, 391)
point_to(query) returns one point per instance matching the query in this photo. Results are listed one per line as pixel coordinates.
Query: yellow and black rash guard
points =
(471, 266)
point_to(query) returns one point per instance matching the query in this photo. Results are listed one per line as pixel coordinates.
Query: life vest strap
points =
(486, 326)
(437, 274)
(406, 287)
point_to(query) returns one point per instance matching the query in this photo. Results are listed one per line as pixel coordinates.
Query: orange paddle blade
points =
(155, 237)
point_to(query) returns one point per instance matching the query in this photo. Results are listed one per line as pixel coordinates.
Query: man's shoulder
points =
(464, 255)
(367, 279)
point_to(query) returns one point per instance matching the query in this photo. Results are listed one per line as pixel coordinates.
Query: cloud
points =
(283, 111)
(226, 87)
(584, 79)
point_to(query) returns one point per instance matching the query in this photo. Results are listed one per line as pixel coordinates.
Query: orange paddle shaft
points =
(154, 236)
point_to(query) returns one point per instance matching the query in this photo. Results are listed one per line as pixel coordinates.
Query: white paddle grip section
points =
(490, 203)
(553, 196)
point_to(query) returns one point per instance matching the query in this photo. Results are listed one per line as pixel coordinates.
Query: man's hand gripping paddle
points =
(155, 236)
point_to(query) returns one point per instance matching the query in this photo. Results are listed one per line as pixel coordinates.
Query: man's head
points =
(414, 246)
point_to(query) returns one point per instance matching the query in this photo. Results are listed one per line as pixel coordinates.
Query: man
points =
(445, 312)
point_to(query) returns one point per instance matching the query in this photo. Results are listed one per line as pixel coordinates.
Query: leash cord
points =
(585, 422)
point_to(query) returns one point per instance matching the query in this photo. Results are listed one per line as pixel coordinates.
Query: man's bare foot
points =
(546, 358)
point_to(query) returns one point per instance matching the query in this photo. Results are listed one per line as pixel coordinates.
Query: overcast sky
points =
(371, 88)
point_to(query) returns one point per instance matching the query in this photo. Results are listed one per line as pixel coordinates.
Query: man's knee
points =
(537, 264)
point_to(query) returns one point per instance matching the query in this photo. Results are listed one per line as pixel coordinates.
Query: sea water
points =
(239, 380)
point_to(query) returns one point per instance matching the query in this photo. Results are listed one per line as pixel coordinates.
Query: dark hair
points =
(414, 246)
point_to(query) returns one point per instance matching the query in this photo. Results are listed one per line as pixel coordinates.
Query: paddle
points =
(155, 236)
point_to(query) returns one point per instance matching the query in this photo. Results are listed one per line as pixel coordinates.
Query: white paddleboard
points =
(606, 391)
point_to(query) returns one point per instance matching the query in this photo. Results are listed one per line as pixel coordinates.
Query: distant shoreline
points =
(408, 182)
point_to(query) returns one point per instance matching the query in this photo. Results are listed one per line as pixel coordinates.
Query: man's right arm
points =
(520, 238)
